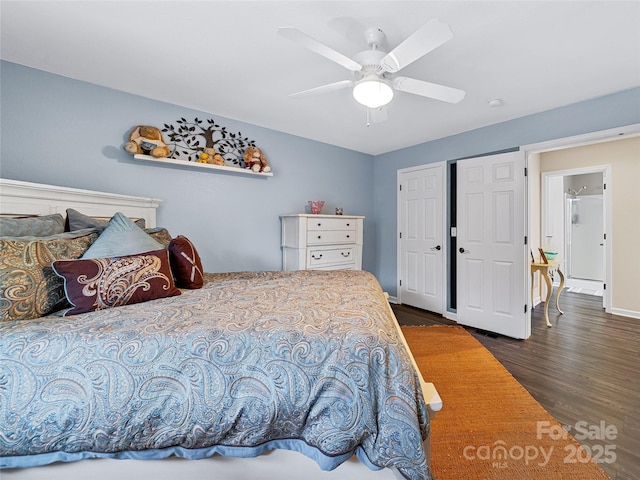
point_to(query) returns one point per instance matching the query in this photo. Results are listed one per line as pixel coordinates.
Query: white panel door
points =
(492, 256)
(421, 243)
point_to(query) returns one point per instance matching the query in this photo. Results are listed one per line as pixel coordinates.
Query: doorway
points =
(574, 218)
(583, 154)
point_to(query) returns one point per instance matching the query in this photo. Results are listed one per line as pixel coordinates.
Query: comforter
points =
(308, 361)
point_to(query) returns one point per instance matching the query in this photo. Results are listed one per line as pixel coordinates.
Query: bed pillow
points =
(29, 288)
(185, 263)
(42, 226)
(121, 237)
(160, 235)
(78, 221)
(99, 283)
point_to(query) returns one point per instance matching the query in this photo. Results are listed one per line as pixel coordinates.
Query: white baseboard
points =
(625, 313)
(392, 299)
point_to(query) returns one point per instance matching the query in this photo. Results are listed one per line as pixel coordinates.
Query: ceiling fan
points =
(373, 81)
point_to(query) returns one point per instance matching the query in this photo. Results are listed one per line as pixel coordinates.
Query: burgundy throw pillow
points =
(99, 283)
(185, 263)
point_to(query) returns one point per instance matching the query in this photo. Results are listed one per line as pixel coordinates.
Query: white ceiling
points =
(225, 58)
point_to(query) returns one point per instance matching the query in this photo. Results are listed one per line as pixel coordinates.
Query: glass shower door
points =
(585, 238)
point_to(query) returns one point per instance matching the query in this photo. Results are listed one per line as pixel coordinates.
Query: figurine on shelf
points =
(210, 157)
(147, 140)
(255, 160)
(203, 157)
(214, 158)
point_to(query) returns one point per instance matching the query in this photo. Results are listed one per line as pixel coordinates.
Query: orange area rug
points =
(490, 427)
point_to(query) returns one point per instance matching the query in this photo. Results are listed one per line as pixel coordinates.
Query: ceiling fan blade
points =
(433, 34)
(331, 87)
(428, 89)
(320, 48)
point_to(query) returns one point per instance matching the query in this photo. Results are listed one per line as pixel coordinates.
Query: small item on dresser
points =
(315, 206)
(338, 210)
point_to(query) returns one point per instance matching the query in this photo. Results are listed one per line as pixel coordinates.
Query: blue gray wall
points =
(61, 131)
(65, 132)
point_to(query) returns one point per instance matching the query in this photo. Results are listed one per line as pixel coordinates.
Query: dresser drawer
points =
(320, 257)
(331, 224)
(337, 266)
(327, 237)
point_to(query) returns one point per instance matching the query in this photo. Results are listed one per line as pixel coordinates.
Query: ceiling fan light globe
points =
(372, 93)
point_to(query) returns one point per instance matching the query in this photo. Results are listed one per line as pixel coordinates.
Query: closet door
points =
(421, 251)
(492, 258)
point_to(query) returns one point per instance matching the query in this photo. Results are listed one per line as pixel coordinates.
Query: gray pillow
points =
(79, 221)
(42, 226)
(121, 237)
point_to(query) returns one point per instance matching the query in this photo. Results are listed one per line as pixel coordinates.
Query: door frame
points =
(618, 133)
(445, 249)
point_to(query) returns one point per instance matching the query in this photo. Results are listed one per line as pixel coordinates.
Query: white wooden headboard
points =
(25, 198)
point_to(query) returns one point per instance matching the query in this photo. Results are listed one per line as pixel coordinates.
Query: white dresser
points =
(321, 242)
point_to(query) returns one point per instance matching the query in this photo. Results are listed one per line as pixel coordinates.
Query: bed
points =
(253, 375)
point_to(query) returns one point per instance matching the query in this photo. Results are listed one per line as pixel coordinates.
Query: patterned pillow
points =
(78, 221)
(185, 263)
(160, 235)
(42, 226)
(99, 283)
(121, 237)
(29, 288)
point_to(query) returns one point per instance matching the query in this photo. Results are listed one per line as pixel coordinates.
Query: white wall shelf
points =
(206, 166)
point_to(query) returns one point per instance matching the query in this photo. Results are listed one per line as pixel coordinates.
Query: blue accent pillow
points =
(121, 237)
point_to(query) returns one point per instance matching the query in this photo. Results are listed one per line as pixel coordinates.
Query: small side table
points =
(546, 269)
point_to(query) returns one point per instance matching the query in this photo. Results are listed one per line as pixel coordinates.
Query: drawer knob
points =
(319, 224)
(346, 254)
(319, 237)
(348, 224)
(316, 257)
(348, 236)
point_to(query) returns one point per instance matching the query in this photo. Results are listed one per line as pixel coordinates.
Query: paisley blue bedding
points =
(308, 361)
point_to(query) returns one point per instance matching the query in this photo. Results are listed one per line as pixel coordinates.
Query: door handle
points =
(462, 250)
(437, 247)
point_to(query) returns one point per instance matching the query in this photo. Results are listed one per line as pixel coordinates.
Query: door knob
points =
(462, 250)
(437, 247)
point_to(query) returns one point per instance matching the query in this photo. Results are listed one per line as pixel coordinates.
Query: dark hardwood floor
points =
(585, 371)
